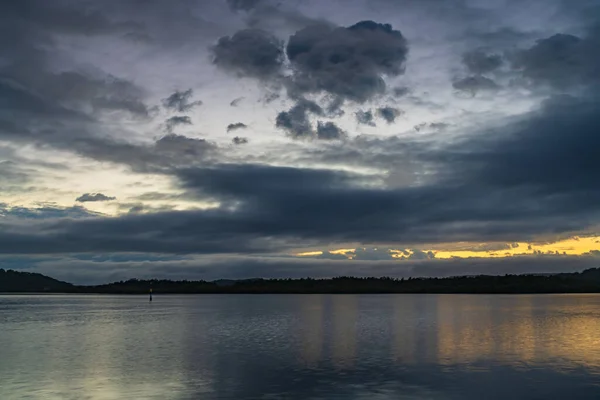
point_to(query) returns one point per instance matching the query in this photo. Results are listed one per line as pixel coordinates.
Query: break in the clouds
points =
(396, 129)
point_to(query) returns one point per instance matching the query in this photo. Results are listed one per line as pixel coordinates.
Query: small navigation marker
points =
(150, 294)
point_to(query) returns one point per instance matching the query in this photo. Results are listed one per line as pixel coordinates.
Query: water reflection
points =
(300, 347)
(344, 314)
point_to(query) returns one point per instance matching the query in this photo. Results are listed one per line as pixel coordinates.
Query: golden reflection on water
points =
(344, 319)
(312, 330)
(147, 352)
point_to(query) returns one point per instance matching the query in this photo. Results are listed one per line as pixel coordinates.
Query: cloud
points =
(329, 131)
(239, 140)
(244, 5)
(365, 117)
(177, 120)
(432, 126)
(179, 145)
(180, 101)
(236, 126)
(296, 121)
(348, 62)
(44, 212)
(93, 197)
(236, 102)
(251, 53)
(480, 62)
(110, 267)
(401, 91)
(389, 114)
(561, 60)
(474, 84)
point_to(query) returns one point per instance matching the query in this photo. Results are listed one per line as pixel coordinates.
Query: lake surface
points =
(300, 347)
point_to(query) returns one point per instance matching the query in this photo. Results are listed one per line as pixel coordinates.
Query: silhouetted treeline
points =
(585, 282)
(13, 281)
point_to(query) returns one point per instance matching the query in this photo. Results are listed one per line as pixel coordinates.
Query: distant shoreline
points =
(586, 282)
(145, 295)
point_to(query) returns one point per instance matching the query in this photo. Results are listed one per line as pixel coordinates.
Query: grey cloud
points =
(329, 131)
(244, 5)
(481, 62)
(94, 197)
(474, 84)
(181, 101)
(561, 60)
(239, 140)
(365, 117)
(421, 255)
(250, 53)
(236, 126)
(45, 212)
(400, 91)
(75, 89)
(11, 172)
(389, 114)
(236, 102)
(432, 126)
(179, 145)
(153, 196)
(373, 254)
(296, 121)
(346, 62)
(27, 117)
(177, 120)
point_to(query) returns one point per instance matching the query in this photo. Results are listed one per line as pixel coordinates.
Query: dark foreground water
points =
(300, 347)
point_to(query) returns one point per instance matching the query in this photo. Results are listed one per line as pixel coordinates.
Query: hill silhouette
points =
(587, 281)
(14, 281)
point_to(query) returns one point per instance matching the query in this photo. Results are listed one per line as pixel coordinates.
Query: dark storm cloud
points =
(94, 197)
(236, 126)
(503, 186)
(346, 62)
(562, 60)
(389, 114)
(250, 53)
(177, 120)
(296, 121)
(329, 131)
(181, 101)
(481, 62)
(474, 84)
(365, 117)
(239, 140)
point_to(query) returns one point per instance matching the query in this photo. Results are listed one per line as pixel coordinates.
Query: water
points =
(300, 347)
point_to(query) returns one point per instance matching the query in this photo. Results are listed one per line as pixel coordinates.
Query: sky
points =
(208, 139)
